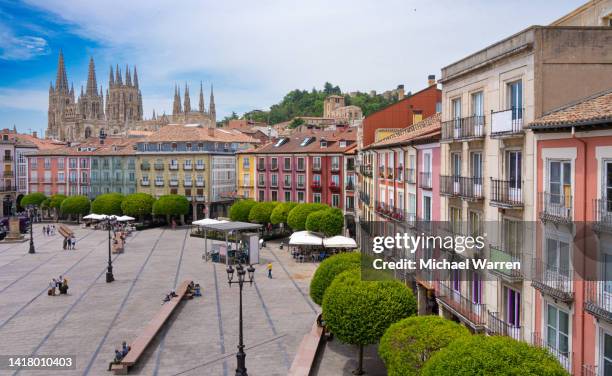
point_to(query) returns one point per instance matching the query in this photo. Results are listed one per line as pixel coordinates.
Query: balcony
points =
(598, 300)
(187, 183)
(246, 184)
(173, 182)
(334, 187)
(158, 166)
(364, 197)
(553, 280)
(497, 326)
(399, 175)
(316, 186)
(199, 198)
(274, 167)
(316, 167)
(564, 356)
(335, 167)
(381, 172)
(501, 254)
(159, 183)
(261, 183)
(261, 167)
(144, 183)
(589, 370)
(199, 183)
(173, 166)
(467, 128)
(458, 186)
(410, 176)
(8, 158)
(287, 185)
(200, 167)
(473, 314)
(507, 123)
(506, 194)
(555, 207)
(366, 170)
(425, 180)
(300, 185)
(389, 172)
(187, 167)
(350, 186)
(603, 215)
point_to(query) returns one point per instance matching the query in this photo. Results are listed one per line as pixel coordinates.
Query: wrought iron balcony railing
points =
(561, 352)
(410, 176)
(459, 186)
(598, 301)
(553, 280)
(506, 193)
(603, 214)
(425, 180)
(555, 207)
(474, 313)
(502, 254)
(471, 127)
(497, 326)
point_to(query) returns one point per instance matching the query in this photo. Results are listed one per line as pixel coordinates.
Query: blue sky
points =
(253, 51)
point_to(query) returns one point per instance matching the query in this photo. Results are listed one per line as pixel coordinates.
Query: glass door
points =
(558, 274)
(456, 163)
(478, 113)
(516, 102)
(456, 104)
(514, 175)
(560, 188)
(476, 166)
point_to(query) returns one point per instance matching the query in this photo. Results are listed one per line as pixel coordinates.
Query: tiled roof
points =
(92, 147)
(428, 128)
(594, 110)
(196, 132)
(293, 143)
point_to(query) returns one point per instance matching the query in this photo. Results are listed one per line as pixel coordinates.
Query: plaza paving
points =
(96, 317)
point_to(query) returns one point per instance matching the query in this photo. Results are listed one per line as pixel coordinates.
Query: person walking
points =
(269, 270)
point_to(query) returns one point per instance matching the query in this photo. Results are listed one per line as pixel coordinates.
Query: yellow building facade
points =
(245, 175)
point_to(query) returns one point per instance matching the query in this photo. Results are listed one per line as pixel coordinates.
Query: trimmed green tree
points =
(261, 211)
(296, 219)
(358, 312)
(328, 270)
(280, 212)
(240, 210)
(55, 204)
(329, 221)
(407, 344)
(171, 205)
(75, 205)
(35, 198)
(108, 203)
(137, 205)
(492, 355)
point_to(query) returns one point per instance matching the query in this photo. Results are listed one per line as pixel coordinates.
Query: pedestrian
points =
(52, 286)
(44, 230)
(73, 242)
(52, 229)
(269, 270)
(65, 243)
(173, 224)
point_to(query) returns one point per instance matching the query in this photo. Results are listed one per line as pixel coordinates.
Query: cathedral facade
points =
(91, 114)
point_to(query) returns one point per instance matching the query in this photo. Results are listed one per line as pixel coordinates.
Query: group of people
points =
(60, 284)
(49, 230)
(193, 289)
(120, 354)
(70, 243)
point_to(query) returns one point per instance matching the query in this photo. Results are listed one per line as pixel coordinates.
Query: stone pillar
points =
(194, 209)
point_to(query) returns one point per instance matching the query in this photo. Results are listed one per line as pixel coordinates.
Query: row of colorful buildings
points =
(519, 151)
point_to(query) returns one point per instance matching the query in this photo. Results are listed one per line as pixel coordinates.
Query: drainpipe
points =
(584, 204)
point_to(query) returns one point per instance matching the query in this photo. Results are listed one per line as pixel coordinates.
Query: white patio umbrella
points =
(339, 242)
(97, 217)
(305, 238)
(206, 221)
(125, 218)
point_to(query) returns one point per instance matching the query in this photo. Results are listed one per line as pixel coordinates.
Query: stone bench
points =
(139, 345)
(304, 359)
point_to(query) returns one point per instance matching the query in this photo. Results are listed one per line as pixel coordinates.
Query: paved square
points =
(96, 317)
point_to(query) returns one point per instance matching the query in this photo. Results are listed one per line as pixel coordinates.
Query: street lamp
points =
(240, 356)
(110, 221)
(32, 213)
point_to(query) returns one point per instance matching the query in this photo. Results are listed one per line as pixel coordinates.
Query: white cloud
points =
(256, 51)
(23, 47)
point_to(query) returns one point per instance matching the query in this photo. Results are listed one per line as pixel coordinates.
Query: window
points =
(557, 260)
(316, 163)
(274, 163)
(287, 164)
(475, 288)
(287, 196)
(73, 163)
(335, 163)
(456, 164)
(47, 163)
(300, 196)
(335, 200)
(316, 197)
(515, 99)
(287, 181)
(335, 180)
(47, 176)
(557, 329)
(246, 162)
(560, 183)
(34, 162)
(478, 104)
(513, 171)
(606, 353)
(261, 196)
(83, 163)
(260, 179)
(512, 307)
(301, 165)
(426, 208)
(274, 195)
(60, 177)
(455, 220)
(274, 181)
(301, 181)
(476, 172)
(261, 163)
(474, 224)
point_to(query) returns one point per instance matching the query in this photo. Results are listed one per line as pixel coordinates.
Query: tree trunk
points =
(359, 370)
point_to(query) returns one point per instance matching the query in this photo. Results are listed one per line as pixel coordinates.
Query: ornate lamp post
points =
(32, 214)
(110, 221)
(241, 272)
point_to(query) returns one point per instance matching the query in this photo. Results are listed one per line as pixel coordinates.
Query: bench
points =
(304, 359)
(138, 346)
(65, 231)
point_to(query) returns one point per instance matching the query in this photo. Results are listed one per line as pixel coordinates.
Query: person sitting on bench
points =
(125, 349)
(197, 290)
(63, 288)
(117, 360)
(169, 297)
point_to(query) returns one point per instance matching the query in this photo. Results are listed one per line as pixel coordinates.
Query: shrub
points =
(496, 355)
(358, 312)
(77, 205)
(296, 219)
(55, 202)
(171, 205)
(240, 210)
(328, 270)
(261, 211)
(280, 212)
(137, 205)
(407, 344)
(332, 222)
(108, 203)
(314, 220)
(35, 198)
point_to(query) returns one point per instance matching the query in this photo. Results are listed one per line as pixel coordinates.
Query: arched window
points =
(87, 132)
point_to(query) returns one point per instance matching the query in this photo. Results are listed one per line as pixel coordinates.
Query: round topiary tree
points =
(55, 203)
(35, 198)
(495, 355)
(240, 210)
(332, 222)
(137, 205)
(407, 344)
(328, 270)
(358, 312)
(75, 205)
(261, 211)
(314, 220)
(296, 219)
(171, 205)
(108, 203)
(280, 212)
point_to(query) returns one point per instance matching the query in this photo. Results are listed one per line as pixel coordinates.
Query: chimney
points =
(400, 92)
(35, 134)
(431, 80)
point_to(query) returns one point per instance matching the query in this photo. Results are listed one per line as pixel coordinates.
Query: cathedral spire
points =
(111, 77)
(128, 78)
(135, 77)
(92, 84)
(201, 107)
(118, 79)
(176, 107)
(187, 105)
(61, 82)
(212, 111)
